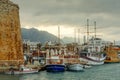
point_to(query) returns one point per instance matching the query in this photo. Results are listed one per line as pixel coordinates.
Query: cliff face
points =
(10, 34)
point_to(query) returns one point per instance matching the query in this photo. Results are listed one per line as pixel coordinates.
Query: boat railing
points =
(71, 56)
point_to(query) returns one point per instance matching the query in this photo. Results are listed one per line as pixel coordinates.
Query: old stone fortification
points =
(10, 34)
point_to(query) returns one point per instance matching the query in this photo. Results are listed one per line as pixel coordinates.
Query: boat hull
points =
(55, 68)
(75, 67)
(22, 72)
(91, 61)
(87, 66)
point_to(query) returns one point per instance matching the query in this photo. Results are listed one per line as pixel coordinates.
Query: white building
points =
(29, 46)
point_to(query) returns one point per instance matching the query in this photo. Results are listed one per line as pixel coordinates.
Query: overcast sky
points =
(68, 14)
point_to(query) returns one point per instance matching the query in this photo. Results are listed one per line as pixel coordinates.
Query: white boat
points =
(93, 53)
(87, 66)
(22, 70)
(92, 59)
(75, 67)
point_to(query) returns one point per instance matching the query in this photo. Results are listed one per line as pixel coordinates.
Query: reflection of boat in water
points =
(112, 54)
(22, 70)
(55, 59)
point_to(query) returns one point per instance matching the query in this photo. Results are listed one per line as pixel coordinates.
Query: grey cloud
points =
(69, 6)
(71, 12)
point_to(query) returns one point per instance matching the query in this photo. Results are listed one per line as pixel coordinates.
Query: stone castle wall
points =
(10, 34)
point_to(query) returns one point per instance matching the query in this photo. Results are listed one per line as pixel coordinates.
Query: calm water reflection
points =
(103, 72)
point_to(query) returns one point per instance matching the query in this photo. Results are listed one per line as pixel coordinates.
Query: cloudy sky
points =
(72, 14)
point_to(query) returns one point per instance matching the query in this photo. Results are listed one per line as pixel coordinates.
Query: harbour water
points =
(103, 72)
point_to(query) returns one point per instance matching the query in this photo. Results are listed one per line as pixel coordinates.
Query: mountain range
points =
(34, 35)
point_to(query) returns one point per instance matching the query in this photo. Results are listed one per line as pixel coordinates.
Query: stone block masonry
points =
(10, 33)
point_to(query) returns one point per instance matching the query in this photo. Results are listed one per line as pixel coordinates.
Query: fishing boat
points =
(87, 66)
(72, 58)
(92, 58)
(55, 59)
(93, 50)
(93, 53)
(55, 56)
(21, 70)
(73, 63)
(112, 54)
(75, 67)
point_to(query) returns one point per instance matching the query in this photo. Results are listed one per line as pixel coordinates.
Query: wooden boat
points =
(55, 56)
(86, 66)
(72, 58)
(112, 55)
(75, 67)
(22, 70)
(55, 68)
(73, 63)
(55, 59)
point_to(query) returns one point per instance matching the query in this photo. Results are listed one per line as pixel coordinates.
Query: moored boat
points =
(87, 66)
(72, 58)
(21, 70)
(93, 52)
(92, 58)
(55, 59)
(55, 68)
(112, 55)
(75, 67)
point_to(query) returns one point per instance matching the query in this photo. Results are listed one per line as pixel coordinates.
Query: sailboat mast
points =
(79, 36)
(95, 28)
(75, 35)
(87, 30)
(58, 35)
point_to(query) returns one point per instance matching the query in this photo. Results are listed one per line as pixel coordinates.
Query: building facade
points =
(30, 47)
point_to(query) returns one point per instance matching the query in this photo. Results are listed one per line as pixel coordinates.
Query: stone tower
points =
(10, 34)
